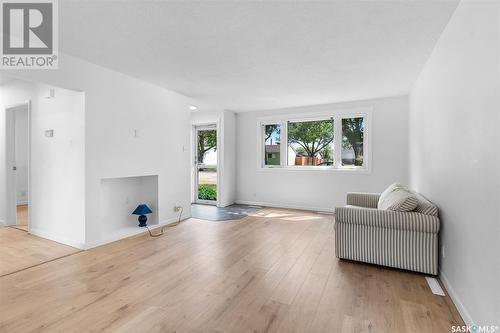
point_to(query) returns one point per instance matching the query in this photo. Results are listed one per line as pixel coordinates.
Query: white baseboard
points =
(113, 238)
(57, 238)
(129, 232)
(456, 299)
(279, 205)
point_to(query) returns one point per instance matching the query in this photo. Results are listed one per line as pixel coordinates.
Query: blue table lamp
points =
(142, 210)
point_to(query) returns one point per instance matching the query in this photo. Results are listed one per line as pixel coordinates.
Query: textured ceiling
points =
(258, 55)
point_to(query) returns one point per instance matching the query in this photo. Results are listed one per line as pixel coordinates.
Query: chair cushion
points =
(397, 198)
(359, 207)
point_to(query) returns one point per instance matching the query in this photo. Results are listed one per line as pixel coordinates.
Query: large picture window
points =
(336, 141)
(310, 143)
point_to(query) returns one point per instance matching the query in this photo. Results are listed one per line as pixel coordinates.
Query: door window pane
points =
(352, 141)
(207, 164)
(310, 143)
(272, 151)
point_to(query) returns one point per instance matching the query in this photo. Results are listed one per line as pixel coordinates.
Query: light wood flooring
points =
(20, 250)
(21, 217)
(274, 271)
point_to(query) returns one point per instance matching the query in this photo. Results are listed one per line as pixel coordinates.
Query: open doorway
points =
(206, 159)
(43, 180)
(18, 156)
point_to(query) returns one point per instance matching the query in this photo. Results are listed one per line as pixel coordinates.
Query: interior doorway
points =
(206, 160)
(18, 157)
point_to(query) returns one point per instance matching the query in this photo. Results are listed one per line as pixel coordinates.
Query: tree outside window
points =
(207, 140)
(272, 152)
(311, 142)
(352, 141)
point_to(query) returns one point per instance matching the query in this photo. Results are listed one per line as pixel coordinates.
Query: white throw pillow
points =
(385, 195)
(397, 198)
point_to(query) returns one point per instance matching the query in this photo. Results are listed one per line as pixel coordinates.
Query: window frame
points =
(337, 116)
(262, 143)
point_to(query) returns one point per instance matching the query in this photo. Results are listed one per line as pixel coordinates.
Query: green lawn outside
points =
(207, 192)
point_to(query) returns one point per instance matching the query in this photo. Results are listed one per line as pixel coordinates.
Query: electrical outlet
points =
(177, 208)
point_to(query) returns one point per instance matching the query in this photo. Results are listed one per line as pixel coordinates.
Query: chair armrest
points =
(387, 219)
(368, 200)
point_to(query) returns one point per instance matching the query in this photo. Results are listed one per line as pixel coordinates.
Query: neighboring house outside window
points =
(273, 154)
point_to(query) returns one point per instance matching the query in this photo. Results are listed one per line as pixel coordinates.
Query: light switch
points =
(49, 133)
(51, 94)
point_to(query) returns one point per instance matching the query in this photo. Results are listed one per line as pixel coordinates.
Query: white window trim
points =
(337, 115)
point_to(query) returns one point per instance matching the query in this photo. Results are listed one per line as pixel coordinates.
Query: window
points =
(353, 141)
(310, 143)
(335, 141)
(272, 148)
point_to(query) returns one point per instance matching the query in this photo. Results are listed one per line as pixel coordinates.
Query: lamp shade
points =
(142, 210)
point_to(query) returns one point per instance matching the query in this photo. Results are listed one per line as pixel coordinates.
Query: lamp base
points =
(142, 220)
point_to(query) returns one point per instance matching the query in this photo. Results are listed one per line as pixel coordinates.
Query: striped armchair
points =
(406, 240)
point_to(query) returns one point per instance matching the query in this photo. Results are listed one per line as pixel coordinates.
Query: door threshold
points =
(205, 203)
(20, 227)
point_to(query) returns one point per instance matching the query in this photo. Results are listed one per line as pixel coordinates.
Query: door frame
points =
(194, 158)
(11, 187)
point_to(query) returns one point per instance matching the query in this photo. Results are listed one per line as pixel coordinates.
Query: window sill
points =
(315, 169)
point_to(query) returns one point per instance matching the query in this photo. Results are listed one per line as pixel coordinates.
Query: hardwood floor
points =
(20, 250)
(274, 271)
(20, 227)
(22, 215)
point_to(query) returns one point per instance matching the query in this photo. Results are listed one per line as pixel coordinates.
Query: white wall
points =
(119, 197)
(57, 163)
(324, 190)
(22, 154)
(226, 122)
(115, 106)
(454, 155)
(229, 161)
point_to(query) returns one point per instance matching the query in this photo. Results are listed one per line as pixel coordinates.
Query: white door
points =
(205, 160)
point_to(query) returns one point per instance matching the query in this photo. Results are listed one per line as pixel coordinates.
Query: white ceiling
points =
(4, 79)
(258, 55)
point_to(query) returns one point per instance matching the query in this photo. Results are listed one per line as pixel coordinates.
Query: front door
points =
(206, 165)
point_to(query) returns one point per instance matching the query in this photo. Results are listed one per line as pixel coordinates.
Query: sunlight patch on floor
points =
(275, 215)
(302, 218)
